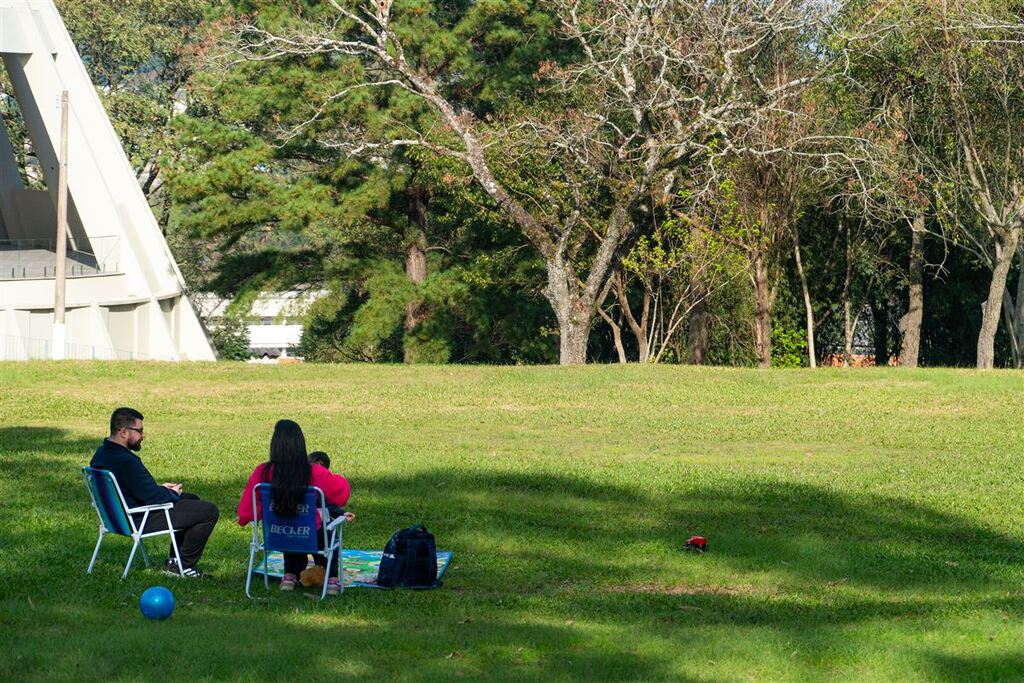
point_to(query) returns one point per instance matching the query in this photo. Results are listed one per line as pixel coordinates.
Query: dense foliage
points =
(230, 337)
(500, 188)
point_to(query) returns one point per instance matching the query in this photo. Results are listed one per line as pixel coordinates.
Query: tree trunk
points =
(616, 336)
(697, 331)
(573, 311)
(811, 356)
(165, 212)
(619, 348)
(575, 332)
(416, 260)
(847, 334)
(639, 329)
(644, 353)
(991, 310)
(880, 316)
(1019, 327)
(416, 271)
(762, 312)
(1010, 318)
(1013, 312)
(697, 334)
(847, 282)
(910, 323)
(616, 326)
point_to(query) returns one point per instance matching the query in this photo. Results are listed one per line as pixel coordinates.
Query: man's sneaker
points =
(171, 569)
(288, 582)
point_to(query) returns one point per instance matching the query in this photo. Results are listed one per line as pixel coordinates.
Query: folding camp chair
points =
(298, 534)
(117, 518)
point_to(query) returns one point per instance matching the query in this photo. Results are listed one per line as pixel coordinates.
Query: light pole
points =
(62, 231)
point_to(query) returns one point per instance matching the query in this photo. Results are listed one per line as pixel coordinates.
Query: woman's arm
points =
(335, 487)
(245, 502)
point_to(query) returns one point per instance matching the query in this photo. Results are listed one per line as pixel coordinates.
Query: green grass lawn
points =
(864, 525)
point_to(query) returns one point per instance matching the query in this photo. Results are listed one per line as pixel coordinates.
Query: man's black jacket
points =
(136, 482)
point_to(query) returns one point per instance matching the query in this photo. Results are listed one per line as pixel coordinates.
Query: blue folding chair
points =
(117, 518)
(298, 534)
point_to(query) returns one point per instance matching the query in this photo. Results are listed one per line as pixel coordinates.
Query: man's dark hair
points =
(123, 417)
(320, 458)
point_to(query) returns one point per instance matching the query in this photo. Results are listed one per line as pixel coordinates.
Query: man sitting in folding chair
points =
(297, 495)
(117, 517)
(193, 519)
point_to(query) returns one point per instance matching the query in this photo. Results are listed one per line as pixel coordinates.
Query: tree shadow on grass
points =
(808, 533)
(42, 474)
(823, 535)
(554, 576)
(993, 667)
(526, 532)
(43, 443)
(807, 561)
(271, 642)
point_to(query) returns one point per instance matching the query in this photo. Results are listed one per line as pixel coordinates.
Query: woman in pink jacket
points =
(289, 472)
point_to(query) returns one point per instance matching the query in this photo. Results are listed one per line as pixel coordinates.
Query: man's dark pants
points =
(195, 519)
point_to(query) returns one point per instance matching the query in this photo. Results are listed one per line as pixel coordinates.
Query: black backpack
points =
(409, 560)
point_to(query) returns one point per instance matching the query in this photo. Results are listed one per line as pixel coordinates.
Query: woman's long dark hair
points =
(291, 467)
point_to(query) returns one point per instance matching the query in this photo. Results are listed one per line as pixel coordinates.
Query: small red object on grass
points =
(697, 543)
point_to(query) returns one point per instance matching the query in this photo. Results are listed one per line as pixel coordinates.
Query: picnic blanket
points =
(359, 567)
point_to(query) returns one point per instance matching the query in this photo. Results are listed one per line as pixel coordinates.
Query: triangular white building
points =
(125, 295)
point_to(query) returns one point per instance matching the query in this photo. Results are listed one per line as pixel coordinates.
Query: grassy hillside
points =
(863, 525)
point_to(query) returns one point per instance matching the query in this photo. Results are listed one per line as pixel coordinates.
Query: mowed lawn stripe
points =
(863, 524)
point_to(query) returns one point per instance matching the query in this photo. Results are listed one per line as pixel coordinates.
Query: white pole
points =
(62, 231)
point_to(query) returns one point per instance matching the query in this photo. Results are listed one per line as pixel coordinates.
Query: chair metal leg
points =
(327, 575)
(174, 542)
(248, 574)
(139, 543)
(334, 544)
(131, 557)
(341, 565)
(95, 552)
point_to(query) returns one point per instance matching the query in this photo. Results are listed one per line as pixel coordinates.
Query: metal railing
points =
(25, 348)
(27, 259)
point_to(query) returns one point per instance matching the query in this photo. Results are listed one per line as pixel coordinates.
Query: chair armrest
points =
(336, 523)
(151, 508)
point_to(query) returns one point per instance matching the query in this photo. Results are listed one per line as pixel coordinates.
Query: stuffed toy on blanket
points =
(312, 576)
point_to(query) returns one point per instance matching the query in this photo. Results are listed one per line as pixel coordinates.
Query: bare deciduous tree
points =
(1013, 310)
(656, 85)
(676, 267)
(983, 57)
(892, 98)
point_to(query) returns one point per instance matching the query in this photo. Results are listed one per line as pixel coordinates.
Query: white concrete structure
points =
(125, 295)
(275, 320)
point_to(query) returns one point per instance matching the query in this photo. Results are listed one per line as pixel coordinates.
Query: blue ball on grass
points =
(157, 603)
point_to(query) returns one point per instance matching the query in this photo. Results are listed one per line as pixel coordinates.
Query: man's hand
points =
(174, 487)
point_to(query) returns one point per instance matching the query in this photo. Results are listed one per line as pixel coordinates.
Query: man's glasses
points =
(135, 429)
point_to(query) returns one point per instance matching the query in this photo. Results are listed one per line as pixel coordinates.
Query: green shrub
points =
(789, 347)
(231, 338)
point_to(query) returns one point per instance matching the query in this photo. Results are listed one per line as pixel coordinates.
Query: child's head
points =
(320, 458)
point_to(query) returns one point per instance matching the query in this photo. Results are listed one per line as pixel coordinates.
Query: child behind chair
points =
(324, 460)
